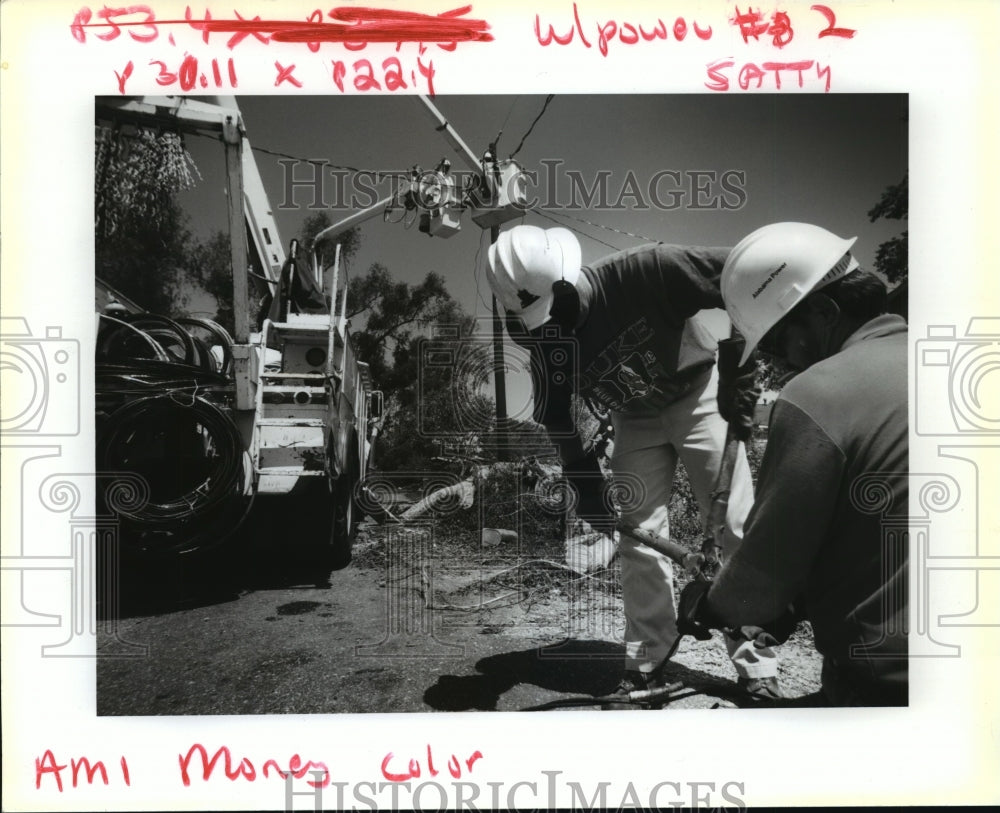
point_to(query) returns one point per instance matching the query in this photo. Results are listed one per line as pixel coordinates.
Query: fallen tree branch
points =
(464, 492)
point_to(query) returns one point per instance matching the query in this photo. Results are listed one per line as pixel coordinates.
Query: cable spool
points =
(219, 333)
(191, 455)
(125, 342)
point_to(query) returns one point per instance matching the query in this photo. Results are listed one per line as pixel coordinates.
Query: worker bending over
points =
(832, 486)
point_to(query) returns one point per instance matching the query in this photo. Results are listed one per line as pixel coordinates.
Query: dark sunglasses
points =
(772, 341)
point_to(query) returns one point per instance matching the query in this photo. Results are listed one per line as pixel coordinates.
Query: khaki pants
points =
(646, 452)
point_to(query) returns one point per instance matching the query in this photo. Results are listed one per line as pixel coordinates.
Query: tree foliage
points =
(147, 260)
(394, 321)
(142, 237)
(349, 241)
(771, 373)
(137, 172)
(891, 257)
(209, 267)
(390, 311)
(143, 243)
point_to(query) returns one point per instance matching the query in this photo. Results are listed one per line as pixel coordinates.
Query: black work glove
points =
(781, 629)
(761, 638)
(593, 504)
(738, 391)
(693, 616)
(776, 632)
(696, 619)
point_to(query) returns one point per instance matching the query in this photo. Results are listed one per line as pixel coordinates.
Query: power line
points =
(325, 163)
(642, 237)
(545, 106)
(496, 140)
(316, 162)
(540, 213)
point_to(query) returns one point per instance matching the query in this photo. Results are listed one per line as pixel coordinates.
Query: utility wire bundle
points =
(155, 381)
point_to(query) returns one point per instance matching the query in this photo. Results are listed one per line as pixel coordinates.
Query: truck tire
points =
(346, 513)
(345, 522)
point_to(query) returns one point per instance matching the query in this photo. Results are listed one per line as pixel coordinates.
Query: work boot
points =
(632, 681)
(761, 690)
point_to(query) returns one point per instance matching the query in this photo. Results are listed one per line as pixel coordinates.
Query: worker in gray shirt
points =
(823, 537)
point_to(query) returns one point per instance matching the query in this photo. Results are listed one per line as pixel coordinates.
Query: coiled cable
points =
(119, 343)
(190, 454)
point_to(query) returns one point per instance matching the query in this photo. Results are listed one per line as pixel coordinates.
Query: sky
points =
(756, 159)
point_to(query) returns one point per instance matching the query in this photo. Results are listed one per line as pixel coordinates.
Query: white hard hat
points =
(524, 262)
(774, 268)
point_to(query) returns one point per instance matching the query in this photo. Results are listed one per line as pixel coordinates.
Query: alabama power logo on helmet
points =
(799, 256)
(769, 279)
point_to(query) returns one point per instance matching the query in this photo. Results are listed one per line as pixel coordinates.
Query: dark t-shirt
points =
(639, 348)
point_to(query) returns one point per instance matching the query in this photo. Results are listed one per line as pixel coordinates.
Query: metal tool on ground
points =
(642, 698)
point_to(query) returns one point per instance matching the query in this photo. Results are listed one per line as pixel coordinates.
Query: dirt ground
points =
(428, 617)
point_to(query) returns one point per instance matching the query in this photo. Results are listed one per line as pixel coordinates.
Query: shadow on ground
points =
(206, 578)
(573, 667)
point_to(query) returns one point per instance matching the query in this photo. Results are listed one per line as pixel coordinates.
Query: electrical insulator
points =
(501, 196)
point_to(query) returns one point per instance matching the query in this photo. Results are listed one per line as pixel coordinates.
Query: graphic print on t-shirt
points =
(625, 370)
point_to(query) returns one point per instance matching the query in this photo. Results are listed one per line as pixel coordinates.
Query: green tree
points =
(209, 268)
(142, 236)
(423, 401)
(349, 241)
(891, 258)
(147, 260)
(390, 311)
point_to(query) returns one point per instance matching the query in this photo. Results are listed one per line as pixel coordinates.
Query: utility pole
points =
(499, 378)
(474, 163)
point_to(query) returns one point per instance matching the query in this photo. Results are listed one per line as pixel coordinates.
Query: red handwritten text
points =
(752, 76)
(831, 29)
(47, 766)
(627, 33)
(413, 768)
(352, 25)
(752, 24)
(392, 75)
(187, 75)
(123, 76)
(246, 769)
(143, 30)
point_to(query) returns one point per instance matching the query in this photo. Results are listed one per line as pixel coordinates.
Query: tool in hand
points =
(711, 546)
(738, 393)
(692, 562)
